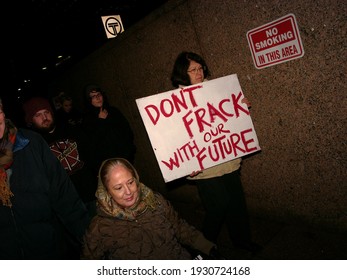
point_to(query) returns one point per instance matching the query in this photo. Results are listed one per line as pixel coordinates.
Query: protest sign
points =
(198, 126)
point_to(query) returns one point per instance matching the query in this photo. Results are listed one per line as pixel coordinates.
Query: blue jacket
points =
(44, 200)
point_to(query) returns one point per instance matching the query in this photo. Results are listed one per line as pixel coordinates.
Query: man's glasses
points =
(196, 70)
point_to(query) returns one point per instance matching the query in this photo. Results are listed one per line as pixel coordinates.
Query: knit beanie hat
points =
(33, 105)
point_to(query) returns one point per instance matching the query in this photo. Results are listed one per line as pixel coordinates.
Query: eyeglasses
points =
(95, 95)
(196, 70)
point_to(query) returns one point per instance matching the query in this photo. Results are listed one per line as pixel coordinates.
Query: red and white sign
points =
(275, 42)
(198, 126)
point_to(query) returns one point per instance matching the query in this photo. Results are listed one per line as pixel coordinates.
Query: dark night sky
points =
(37, 31)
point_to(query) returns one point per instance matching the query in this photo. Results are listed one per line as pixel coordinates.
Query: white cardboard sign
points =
(198, 126)
(275, 42)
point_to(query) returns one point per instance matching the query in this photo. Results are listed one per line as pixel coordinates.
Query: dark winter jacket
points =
(74, 151)
(44, 198)
(70, 119)
(156, 233)
(111, 137)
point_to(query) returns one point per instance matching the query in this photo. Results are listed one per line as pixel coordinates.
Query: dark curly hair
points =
(87, 100)
(179, 74)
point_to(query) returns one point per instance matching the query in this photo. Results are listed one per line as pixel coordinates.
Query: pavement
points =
(280, 240)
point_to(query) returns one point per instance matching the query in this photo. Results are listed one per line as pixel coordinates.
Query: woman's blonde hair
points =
(109, 164)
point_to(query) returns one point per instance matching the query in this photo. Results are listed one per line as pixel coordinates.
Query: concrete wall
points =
(298, 107)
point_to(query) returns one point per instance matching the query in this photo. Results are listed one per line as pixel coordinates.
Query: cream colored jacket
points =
(218, 170)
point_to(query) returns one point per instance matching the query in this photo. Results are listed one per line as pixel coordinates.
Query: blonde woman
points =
(134, 222)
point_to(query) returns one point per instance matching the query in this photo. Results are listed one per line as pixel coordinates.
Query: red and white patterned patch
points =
(67, 153)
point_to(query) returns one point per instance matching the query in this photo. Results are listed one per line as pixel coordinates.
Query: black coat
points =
(74, 150)
(44, 198)
(110, 137)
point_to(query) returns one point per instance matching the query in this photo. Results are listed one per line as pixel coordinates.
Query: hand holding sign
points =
(199, 126)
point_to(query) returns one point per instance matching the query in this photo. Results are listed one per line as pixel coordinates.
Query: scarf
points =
(6, 159)
(146, 201)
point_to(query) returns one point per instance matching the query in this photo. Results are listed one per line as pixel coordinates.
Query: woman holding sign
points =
(219, 187)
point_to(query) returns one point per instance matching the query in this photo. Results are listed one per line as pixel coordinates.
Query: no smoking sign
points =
(275, 42)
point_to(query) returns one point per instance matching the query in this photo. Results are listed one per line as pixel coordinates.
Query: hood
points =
(109, 207)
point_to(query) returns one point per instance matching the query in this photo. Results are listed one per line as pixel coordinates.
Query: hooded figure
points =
(133, 222)
(108, 129)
